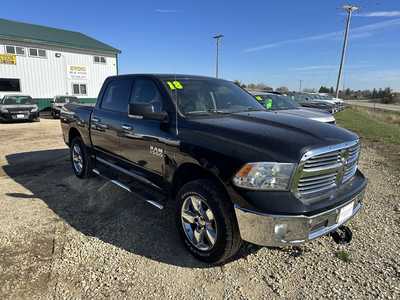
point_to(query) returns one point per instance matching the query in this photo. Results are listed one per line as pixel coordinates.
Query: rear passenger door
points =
(107, 117)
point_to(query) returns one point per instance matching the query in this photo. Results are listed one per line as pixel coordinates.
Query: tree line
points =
(386, 95)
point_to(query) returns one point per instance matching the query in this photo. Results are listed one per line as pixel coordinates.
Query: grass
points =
(343, 255)
(373, 126)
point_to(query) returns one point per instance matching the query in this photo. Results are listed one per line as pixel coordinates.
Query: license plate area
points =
(345, 212)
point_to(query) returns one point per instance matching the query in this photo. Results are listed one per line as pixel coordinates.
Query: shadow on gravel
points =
(99, 209)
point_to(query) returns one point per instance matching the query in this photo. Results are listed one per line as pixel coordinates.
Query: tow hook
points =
(342, 235)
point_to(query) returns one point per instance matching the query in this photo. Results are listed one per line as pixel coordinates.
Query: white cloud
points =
(357, 32)
(312, 68)
(167, 11)
(394, 13)
(329, 68)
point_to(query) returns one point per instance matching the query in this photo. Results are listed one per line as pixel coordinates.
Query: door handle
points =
(102, 126)
(126, 127)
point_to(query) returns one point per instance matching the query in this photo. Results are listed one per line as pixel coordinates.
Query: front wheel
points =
(80, 159)
(206, 222)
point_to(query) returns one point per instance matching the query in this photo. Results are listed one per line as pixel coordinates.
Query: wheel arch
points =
(73, 133)
(188, 172)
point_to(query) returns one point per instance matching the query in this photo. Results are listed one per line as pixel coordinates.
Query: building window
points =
(79, 89)
(15, 50)
(9, 85)
(42, 53)
(99, 59)
(37, 52)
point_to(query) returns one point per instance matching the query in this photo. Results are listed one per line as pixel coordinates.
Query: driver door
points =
(142, 140)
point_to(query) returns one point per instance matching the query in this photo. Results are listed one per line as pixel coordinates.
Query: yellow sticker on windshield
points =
(171, 86)
(178, 85)
(175, 85)
(259, 98)
(268, 103)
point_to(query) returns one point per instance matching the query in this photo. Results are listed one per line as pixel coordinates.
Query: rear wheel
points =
(206, 222)
(81, 162)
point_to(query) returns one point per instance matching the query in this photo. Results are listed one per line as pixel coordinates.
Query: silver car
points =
(285, 105)
(58, 103)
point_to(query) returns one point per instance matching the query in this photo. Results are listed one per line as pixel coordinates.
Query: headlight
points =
(4, 110)
(34, 109)
(264, 176)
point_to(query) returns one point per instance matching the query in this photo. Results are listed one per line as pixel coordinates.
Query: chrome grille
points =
(321, 171)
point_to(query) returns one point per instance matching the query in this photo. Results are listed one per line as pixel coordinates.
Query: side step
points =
(129, 189)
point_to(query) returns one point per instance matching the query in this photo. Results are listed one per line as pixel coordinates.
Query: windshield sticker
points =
(178, 85)
(259, 98)
(171, 86)
(175, 85)
(268, 103)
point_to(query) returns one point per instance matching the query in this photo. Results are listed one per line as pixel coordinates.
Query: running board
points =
(125, 187)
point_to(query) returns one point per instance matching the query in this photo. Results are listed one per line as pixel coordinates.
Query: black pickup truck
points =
(235, 171)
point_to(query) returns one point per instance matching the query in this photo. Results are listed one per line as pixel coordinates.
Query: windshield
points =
(210, 96)
(15, 100)
(66, 100)
(276, 102)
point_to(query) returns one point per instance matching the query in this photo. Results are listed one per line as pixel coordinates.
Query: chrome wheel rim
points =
(199, 223)
(77, 158)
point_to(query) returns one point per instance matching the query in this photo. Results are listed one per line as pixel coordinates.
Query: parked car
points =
(58, 103)
(18, 107)
(338, 103)
(306, 100)
(234, 171)
(284, 105)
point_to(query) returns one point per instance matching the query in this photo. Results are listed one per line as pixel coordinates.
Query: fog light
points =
(280, 230)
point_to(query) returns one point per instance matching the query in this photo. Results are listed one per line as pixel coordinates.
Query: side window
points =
(116, 96)
(145, 91)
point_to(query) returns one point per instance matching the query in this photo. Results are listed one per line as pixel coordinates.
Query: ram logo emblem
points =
(159, 152)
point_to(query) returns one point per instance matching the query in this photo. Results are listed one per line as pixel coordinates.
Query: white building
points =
(44, 62)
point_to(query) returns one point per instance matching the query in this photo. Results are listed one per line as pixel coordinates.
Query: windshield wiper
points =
(251, 109)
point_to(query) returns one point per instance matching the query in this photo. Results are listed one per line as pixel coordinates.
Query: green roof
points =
(24, 32)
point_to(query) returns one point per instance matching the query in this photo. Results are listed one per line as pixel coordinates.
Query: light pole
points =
(217, 38)
(301, 81)
(350, 9)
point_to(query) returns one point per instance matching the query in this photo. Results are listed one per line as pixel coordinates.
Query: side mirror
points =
(147, 111)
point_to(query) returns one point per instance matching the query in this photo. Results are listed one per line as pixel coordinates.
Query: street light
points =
(350, 9)
(217, 38)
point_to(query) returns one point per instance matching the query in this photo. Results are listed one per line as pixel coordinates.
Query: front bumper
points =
(284, 230)
(11, 116)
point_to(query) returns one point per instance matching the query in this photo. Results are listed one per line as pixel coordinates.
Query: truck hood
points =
(18, 106)
(261, 136)
(312, 114)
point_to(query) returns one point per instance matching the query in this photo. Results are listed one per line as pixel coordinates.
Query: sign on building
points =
(8, 59)
(77, 72)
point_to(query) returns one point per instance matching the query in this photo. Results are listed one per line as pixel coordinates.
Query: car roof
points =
(167, 76)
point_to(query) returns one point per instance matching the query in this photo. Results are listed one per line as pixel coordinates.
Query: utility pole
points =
(217, 37)
(350, 9)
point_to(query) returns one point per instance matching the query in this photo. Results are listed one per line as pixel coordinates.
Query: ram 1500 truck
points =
(235, 171)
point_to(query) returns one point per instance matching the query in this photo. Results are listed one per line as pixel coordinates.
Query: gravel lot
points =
(61, 237)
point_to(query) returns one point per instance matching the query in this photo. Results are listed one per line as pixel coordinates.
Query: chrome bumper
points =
(285, 230)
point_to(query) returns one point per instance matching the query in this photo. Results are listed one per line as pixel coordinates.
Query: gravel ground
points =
(61, 237)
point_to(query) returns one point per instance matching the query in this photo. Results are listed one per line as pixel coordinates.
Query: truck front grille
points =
(322, 171)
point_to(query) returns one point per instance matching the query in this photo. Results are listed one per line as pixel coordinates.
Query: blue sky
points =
(275, 42)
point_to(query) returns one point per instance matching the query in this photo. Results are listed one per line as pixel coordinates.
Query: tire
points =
(85, 162)
(227, 241)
